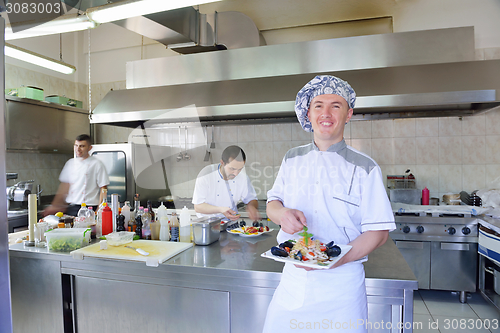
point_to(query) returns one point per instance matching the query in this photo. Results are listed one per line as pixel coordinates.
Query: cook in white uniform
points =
(339, 194)
(82, 179)
(219, 187)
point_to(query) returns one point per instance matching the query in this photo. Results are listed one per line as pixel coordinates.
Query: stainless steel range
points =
(440, 249)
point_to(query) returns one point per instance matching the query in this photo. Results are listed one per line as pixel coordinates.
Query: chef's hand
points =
(253, 213)
(230, 214)
(292, 220)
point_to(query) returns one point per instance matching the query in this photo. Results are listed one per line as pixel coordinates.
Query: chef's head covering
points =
(321, 85)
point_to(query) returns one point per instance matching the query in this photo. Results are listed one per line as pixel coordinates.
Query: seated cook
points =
(219, 187)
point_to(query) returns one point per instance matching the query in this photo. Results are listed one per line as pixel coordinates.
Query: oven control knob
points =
(420, 229)
(451, 230)
(466, 230)
(406, 229)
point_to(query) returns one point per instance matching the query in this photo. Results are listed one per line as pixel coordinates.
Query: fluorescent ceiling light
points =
(65, 23)
(38, 59)
(125, 9)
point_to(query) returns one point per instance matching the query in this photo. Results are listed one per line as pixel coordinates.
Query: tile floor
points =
(441, 311)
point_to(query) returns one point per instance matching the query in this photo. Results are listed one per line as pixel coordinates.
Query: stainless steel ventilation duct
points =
(413, 74)
(186, 30)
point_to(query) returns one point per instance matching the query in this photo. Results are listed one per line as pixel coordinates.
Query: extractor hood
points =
(415, 74)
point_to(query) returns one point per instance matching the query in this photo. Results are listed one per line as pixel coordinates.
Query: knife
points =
(140, 251)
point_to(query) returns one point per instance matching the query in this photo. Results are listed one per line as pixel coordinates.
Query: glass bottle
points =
(126, 213)
(151, 211)
(174, 228)
(146, 227)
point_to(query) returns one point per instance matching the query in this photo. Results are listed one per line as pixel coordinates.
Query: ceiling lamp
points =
(38, 59)
(65, 23)
(126, 9)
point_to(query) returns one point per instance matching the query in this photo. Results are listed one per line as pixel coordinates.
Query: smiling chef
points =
(338, 193)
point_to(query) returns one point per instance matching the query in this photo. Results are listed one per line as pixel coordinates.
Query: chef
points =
(82, 180)
(338, 193)
(219, 187)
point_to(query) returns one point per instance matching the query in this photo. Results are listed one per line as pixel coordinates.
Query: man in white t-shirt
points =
(82, 179)
(219, 188)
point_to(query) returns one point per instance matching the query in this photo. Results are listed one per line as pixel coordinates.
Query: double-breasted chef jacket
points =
(341, 193)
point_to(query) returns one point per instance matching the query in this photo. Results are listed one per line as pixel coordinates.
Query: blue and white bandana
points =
(321, 85)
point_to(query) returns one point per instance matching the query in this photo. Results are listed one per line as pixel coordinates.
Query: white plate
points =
(344, 249)
(239, 231)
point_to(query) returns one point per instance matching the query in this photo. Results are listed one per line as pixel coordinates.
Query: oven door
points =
(453, 266)
(418, 256)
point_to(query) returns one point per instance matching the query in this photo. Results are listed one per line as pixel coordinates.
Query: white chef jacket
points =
(86, 177)
(210, 188)
(341, 193)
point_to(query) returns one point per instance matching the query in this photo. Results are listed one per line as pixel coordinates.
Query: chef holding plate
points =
(338, 193)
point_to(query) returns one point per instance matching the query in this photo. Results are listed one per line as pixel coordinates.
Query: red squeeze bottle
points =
(425, 196)
(107, 220)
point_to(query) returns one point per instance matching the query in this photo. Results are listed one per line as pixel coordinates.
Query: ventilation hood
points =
(186, 30)
(414, 74)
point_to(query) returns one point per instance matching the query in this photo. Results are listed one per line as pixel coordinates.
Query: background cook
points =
(219, 187)
(339, 194)
(82, 179)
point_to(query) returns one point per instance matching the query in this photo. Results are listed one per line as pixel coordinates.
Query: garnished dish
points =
(250, 231)
(307, 252)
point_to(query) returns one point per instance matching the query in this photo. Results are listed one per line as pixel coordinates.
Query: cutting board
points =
(159, 251)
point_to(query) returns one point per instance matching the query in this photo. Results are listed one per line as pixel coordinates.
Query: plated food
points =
(307, 252)
(250, 231)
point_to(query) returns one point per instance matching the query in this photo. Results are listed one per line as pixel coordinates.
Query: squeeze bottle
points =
(107, 220)
(162, 218)
(185, 225)
(425, 196)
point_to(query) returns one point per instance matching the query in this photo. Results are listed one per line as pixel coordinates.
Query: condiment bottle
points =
(174, 228)
(146, 227)
(120, 223)
(185, 225)
(162, 218)
(138, 226)
(107, 220)
(126, 213)
(425, 196)
(151, 211)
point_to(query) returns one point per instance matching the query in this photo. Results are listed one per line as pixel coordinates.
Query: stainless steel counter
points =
(228, 282)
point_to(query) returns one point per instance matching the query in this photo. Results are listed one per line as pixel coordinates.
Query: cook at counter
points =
(219, 187)
(338, 193)
(82, 179)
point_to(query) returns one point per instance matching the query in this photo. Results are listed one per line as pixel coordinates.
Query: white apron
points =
(319, 300)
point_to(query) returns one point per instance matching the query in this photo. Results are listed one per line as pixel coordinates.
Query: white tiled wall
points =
(445, 154)
(44, 169)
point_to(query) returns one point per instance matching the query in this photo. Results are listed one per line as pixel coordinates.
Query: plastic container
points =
(66, 240)
(120, 238)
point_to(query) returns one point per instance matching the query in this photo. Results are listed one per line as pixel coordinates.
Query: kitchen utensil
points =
(206, 230)
(207, 153)
(140, 251)
(212, 145)
(186, 156)
(180, 156)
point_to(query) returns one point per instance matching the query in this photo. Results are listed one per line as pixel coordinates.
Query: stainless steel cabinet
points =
(418, 257)
(103, 305)
(453, 257)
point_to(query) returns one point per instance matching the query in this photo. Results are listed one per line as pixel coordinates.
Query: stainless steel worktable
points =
(223, 287)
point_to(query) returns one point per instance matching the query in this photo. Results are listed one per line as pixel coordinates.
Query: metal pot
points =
(206, 230)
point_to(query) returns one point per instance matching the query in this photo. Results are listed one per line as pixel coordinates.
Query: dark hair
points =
(234, 153)
(84, 137)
